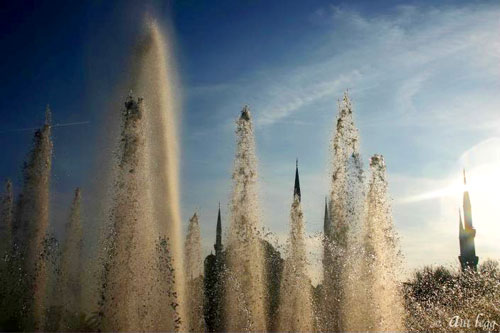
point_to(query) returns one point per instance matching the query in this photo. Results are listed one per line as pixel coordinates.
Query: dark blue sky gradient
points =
(69, 54)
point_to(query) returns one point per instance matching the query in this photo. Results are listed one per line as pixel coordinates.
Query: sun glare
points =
(482, 181)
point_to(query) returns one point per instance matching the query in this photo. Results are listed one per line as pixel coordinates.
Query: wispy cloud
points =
(401, 56)
(294, 100)
(425, 82)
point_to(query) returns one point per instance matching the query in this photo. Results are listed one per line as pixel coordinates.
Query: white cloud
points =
(401, 51)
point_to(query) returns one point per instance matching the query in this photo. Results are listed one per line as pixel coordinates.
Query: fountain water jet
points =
(6, 219)
(155, 80)
(192, 263)
(7, 269)
(295, 310)
(194, 277)
(351, 284)
(342, 229)
(31, 224)
(245, 277)
(69, 284)
(381, 264)
(143, 276)
(133, 294)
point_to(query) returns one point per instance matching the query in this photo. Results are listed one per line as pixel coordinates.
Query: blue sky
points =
(424, 78)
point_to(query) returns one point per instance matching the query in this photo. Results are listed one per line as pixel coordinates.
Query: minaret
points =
(460, 233)
(326, 221)
(468, 258)
(460, 223)
(296, 189)
(218, 238)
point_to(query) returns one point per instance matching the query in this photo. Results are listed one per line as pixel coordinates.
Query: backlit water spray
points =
(70, 283)
(361, 259)
(143, 280)
(295, 310)
(194, 276)
(148, 280)
(245, 308)
(31, 225)
(6, 219)
(381, 262)
(345, 209)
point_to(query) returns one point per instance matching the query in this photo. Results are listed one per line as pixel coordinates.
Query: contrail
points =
(53, 126)
(71, 124)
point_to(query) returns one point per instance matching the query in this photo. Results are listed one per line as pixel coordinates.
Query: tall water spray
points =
(295, 309)
(192, 262)
(155, 80)
(347, 173)
(345, 211)
(69, 284)
(31, 224)
(122, 260)
(133, 295)
(381, 265)
(194, 277)
(7, 269)
(143, 272)
(245, 279)
(6, 219)
(143, 278)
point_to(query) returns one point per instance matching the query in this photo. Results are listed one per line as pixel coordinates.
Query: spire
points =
(468, 258)
(467, 208)
(218, 238)
(296, 188)
(461, 226)
(326, 221)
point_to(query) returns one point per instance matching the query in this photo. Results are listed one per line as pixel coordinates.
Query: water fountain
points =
(142, 283)
(150, 282)
(6, 218)
(295, 310)
(30, 227)
(244, 294)
(381, 268)
(69, 290)
(194, 277)
(345, 211)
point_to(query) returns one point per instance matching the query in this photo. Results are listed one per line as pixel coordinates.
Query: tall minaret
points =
(296, 188)
(218, 238)
(468, 258)
(460, 232)
(326, 221)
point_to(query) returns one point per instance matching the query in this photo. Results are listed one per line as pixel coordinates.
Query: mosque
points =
(214, 263)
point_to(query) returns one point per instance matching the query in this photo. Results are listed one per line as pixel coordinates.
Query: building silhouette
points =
(215, 267)
(467, 233)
